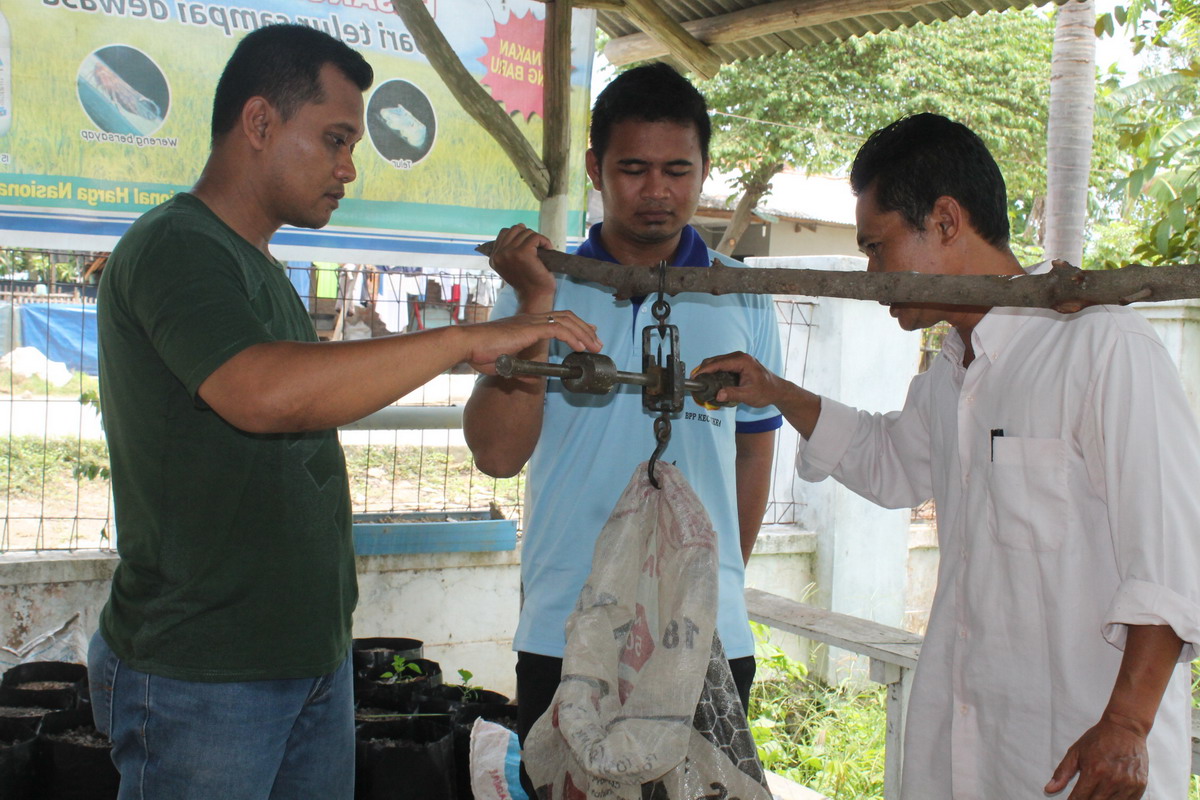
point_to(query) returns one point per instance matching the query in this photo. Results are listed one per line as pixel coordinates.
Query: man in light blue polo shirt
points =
(649, 158)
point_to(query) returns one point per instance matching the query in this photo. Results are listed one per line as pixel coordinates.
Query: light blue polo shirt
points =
(590, 444)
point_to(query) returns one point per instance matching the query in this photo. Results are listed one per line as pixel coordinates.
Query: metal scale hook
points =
(661, 310)
(662, 381)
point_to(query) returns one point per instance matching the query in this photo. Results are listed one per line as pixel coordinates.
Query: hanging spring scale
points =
(662, 376)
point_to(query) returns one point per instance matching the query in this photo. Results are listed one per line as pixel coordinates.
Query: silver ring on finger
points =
(549, 318)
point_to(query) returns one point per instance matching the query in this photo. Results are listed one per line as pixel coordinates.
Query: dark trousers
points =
(538, 678)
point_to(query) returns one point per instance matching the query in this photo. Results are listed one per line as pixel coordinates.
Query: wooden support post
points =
(897, 681)
(556, 132)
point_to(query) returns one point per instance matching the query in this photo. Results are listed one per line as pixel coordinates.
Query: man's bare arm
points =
(286, 387)
(753, 471)
(1111, 757)
(502, 421)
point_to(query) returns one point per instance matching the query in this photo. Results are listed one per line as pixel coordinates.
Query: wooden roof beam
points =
(673, 37)
(762, 20)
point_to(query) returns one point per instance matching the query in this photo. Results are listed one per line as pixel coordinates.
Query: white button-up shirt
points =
(1065, 464)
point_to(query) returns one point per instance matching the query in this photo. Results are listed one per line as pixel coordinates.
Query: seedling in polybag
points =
(400, 666)
(470, 693)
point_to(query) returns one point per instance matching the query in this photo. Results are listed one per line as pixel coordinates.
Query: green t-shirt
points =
(237, 561)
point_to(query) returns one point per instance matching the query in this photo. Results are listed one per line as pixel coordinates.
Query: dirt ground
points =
(69, 517)
(76, 516)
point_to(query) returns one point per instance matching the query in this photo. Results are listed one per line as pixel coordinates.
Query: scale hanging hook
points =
(662, 435)
(661, 310)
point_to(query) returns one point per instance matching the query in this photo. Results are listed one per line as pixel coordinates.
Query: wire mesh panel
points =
(415, 469)
(54, 465)
(795, 320)
(54, 476)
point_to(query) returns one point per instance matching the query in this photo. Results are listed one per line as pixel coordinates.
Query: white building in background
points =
(804, 215)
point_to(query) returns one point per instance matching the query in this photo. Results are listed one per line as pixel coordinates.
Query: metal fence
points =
(54, 464)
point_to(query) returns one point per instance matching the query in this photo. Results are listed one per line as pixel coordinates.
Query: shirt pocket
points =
(1028, 503)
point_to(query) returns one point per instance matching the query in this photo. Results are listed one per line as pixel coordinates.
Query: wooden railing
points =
(893, 653)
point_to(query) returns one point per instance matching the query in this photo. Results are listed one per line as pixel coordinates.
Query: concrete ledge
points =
(463, 605)
(785, 540)
(56, 567)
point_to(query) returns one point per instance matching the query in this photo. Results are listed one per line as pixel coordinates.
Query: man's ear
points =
(257, 117)
(593, 168)
(706, 169)
(947, 219)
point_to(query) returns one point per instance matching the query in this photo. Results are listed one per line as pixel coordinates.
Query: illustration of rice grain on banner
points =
(112, 103)
(402, 121)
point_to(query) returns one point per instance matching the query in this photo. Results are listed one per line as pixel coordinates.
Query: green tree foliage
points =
(1157, 120)
(1160, 129)
(1156, 23)
(812, 108)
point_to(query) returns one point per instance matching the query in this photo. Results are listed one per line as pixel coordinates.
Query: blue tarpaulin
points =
(62, 332)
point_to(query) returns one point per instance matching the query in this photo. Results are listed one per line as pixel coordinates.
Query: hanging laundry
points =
(327, 279)
(393, 302)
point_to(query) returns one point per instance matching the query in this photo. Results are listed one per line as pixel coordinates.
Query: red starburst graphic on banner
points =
(514, 64)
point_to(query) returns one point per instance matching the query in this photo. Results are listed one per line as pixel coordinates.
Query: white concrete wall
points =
(817, 240)
(855, 353)
(463, 606)
(1177, 323)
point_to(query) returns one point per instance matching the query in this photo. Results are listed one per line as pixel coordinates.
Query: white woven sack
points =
(640, 646)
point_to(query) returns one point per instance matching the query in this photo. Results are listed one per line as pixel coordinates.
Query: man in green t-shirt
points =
(220, 669)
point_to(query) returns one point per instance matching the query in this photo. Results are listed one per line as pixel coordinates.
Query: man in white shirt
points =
(1061, 453)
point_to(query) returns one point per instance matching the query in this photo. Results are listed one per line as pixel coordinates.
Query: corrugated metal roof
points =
(900, 15)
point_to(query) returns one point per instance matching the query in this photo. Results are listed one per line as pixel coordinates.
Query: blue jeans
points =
(253, 740)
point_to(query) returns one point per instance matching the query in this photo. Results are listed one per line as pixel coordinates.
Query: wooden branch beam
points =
(690, 51)
(762, 20)
(474, 99)
(1064, 288)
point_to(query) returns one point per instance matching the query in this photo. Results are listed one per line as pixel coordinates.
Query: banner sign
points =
(105, 109)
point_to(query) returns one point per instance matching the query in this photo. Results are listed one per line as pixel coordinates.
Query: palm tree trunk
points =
(1069, 130)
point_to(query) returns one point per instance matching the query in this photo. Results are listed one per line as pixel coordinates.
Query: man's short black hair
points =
(918, 159)
(651, 93)
(282, 63)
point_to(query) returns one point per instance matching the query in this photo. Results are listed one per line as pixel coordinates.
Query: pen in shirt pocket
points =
(995, 432)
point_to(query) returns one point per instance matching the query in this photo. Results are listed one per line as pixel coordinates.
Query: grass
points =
(35, 388)
(828, 738)
(831, 738)
(385, 478)
(31, 464)
(1194, 793)
(381, 477)
(65, 479)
